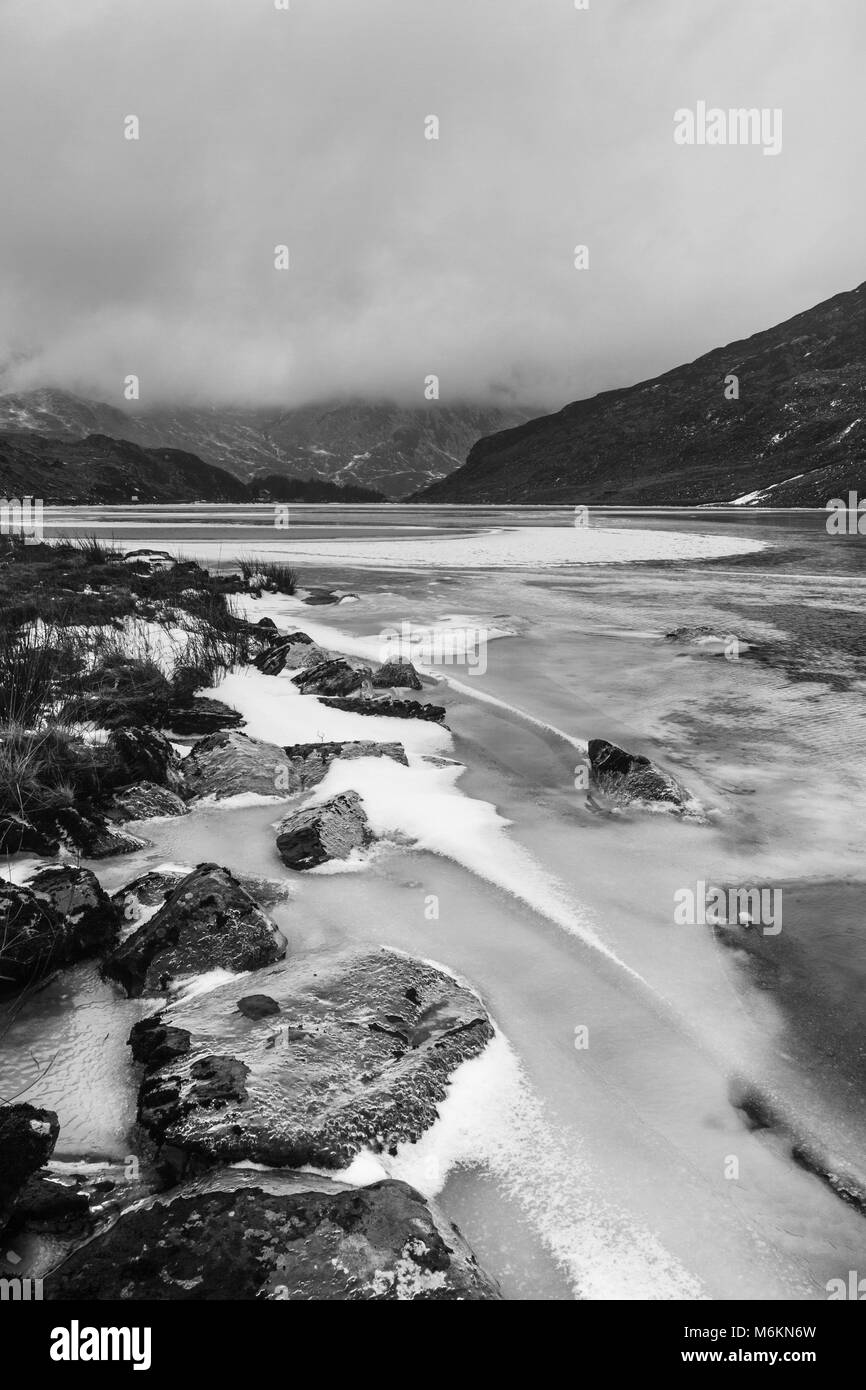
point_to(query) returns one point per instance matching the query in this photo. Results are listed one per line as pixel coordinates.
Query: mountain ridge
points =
(797, 428)
(377, 445)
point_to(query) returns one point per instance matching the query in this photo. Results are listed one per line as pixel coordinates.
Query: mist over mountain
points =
(380, 446)
(789, 431)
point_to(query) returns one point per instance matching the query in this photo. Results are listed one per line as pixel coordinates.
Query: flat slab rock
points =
(308, 763)
(202, 715)
(329, 830)
(60, 916)
(387, 708)
(276, 1236)
(331, 677)
(357, 1055)
(291, 652)
(207, 922)
(230, 763)
(145, 801)
(631, 779)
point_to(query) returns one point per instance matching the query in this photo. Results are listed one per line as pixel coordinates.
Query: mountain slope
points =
(100, 469)
(392, 449)
(795, 437)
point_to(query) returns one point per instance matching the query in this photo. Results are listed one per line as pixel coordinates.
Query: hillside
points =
(795, 437)
(100, 469)
(392, 449)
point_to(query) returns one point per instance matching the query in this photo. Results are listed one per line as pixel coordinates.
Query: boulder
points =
(47, 1203)
(293, 652)
(84, 833)
(18, 834)
(330, 830)
(331, 677)
(145, 754)
(360, 1056)
(27, 1139)
(276, 1236)
(388, 708)
(307, 763)
(136, 900)
(397, 675)
(146, 801)
(202, 715)
(59, 917)
(208, 922)
(631, 779)
(229, 763)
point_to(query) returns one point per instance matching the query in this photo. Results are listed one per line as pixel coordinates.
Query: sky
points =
(410, 257)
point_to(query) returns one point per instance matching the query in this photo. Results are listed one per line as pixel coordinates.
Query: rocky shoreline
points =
(282, 1065)
(261, 1086)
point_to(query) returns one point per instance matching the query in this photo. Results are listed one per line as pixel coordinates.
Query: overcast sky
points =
(411, 256)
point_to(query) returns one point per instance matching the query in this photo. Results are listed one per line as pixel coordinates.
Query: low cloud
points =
(409, 256)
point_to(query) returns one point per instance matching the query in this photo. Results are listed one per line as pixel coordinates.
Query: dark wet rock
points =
(147, 891)
(360, 1057)
(266, 891)
(208, 922)
(691, 633)
(843, 1184)
(258, 1006)
(630, 779)
(271, 625)
(294, 651)
(229, 763)
(59, 917)
(330, 830)
(145, 801)
(389, 709)
(761, 1113)
(146, 755)
(331, 677)
(156, 1043)
(307, 763)
(316, 598)
(276, 1236)
(202, 715)
(85, 833)
(20, 835)
(27, 1138)
(397, 675)
(49, 1204)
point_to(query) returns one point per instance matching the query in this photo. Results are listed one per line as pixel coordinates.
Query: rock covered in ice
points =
(146, 800)
(279, 1236)
(208, 922)
(229, 763)
(634, 780)
(330, 830)
(61, 916)
(308, 763)
(332, 677)
(359, 1056)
